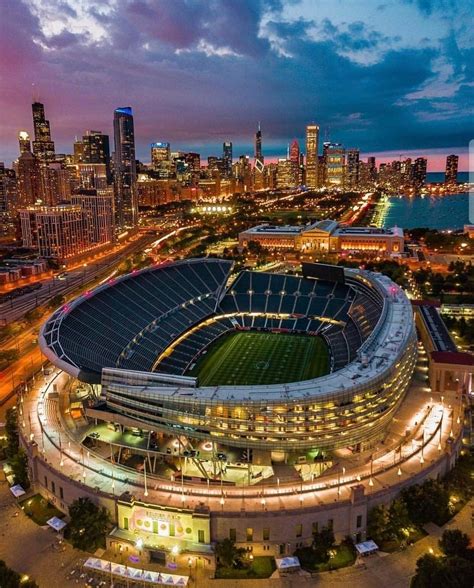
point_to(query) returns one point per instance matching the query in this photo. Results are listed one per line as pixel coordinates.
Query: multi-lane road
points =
(68, 282)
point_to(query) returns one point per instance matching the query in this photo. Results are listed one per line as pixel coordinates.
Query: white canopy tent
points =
(157, 578)
(17, 491)
(56, 523)
(366, 547)
(288, 564)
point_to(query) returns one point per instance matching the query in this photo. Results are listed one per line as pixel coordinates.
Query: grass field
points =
(253, 358)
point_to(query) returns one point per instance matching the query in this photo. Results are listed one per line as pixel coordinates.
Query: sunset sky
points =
(380, 75)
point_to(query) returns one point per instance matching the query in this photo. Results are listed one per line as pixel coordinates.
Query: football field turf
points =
(253, 358)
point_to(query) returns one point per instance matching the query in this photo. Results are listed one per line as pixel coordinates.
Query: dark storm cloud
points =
(199, 72)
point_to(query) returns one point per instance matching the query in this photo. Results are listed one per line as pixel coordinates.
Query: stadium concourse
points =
(193, 403)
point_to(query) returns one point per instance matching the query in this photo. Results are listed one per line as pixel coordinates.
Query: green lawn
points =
(261, 567)
(344, 556)
(254, 358)
(40, 510)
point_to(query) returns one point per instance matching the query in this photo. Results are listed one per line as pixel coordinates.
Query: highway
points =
(16, 308)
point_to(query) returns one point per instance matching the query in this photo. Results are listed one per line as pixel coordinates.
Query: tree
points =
(228, 554)
(33, 315)
(454, 543)
(429, 572)
(427, 502)
(88, 525)
(11, 579)
(19, 465)
(398, 518)
(377, 523)
(11, 429)
(56, 301)
(323, 542)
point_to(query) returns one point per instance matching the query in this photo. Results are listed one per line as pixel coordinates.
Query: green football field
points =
(252, 358)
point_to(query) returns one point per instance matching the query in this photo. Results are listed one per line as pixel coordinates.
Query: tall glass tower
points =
(312, 140)
(125, 169)
(43, 146)
(258, 149)
(227, 158)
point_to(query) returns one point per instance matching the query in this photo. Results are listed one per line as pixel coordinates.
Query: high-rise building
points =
(312, 141)
(3, 190)
(287, 174)
(24, 142)
(78, 151)
(125, 171)
(372, 167)
(160, 152)
(29, 180)
(193, 160)
(258, 148)
(98, 211)
(96, 150)
(294, 156)
(43, 146)
(335, 155)
(295, 152)
(56, 232)
(227, 158)
(451, 174)
(352, 175)
(419, 172)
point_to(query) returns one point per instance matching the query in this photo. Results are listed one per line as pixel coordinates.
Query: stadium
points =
(189, 391)
(270, 362)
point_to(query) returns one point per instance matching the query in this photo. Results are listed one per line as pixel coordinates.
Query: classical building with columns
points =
(326, 236)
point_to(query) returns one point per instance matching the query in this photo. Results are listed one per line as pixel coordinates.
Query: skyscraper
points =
(419, 172)
(227, 158)
(451, 174)
(29, 180)
(259, 159)
(352, 176)
(96, 149)
(335, 164)
(160, 152)
(24, 142)
(43, 146)
(126, 206)
(312, 140)
(294, 156)
(295, 152)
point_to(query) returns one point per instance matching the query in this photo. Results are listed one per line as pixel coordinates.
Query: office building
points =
(352, 176)
(160, 153)
(287, 174)
(227, 158)
(126, 202)
(98, 212)
(58, 232)
(335, 155)
(312, 140)
(96, 150)
(29, 180)
(419, 172)
(451, 174)
(43, 146)
(24, 141)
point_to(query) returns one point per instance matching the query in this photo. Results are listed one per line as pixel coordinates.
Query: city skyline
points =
(409, 85)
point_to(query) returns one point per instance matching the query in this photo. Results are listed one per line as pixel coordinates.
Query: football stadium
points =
(188, 391)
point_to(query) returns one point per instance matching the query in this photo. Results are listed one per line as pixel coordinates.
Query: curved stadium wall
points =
(115, 335)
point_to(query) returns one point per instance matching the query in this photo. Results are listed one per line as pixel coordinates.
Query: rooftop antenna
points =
(35, 95)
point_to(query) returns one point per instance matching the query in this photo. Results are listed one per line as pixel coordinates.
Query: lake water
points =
(445, 212)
